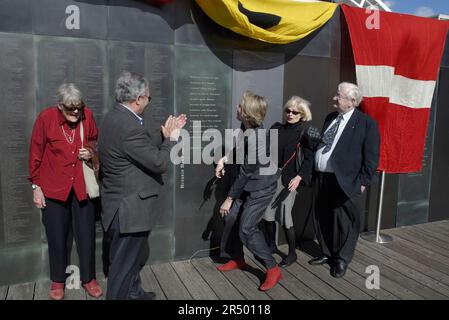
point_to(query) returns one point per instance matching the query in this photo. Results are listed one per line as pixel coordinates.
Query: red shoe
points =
(232, 265)
(57, 291)
(274, 275)
(93, 289)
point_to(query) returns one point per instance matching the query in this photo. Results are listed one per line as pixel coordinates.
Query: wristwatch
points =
(34, 186)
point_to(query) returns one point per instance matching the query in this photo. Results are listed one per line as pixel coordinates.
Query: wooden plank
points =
(439, 227)
(244, 285)
(420, 254)
(295, 286)
(75, 294)
(423, 239)
(170, 283)
(198, 288)
(290, 283)
(434, 229)
(258, 276)
(388, 279)
(416, 275)
(398, 276)
(341, 285)
(216, 280)
(3, 292)
(435, 235)
(411, 262)
(23, 291)
(359, 281)
(42, 290)
(149, 283)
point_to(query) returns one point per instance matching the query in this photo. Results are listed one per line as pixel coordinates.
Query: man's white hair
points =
(352, 92)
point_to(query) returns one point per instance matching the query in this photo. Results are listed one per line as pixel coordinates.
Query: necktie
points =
(141, 121)
(329, 135)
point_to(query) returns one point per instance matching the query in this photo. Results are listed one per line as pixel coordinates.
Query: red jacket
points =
(54, 164)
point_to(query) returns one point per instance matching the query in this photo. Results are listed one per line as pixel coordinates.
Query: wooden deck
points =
(414, 266)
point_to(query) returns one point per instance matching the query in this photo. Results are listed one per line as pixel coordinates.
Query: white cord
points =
(190, 259)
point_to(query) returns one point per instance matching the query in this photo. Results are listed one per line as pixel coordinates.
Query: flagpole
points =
(377, 236)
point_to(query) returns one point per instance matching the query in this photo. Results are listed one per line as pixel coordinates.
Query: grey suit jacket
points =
(132, 159)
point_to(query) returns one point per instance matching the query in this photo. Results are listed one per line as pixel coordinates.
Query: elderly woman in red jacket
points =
(56, 172)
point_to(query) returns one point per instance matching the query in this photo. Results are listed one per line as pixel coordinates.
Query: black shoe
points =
(288, 260)
(318, 261)
(338, 269)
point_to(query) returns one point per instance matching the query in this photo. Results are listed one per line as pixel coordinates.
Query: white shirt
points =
(138, 117)
(322, 163)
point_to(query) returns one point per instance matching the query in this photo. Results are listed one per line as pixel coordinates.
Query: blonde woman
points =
(295, 158)
(250, 194)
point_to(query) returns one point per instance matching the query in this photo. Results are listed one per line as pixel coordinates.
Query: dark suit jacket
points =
(254, 175)
(132, 159)
(356, 155)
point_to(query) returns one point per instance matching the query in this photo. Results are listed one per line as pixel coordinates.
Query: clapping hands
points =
(173, 125)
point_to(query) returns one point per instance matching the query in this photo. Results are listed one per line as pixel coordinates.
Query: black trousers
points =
(57, 218)
(128, 254)
(337, 218)
(242, 227)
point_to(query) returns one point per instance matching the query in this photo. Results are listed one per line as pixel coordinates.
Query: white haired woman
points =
(295, 155)
(56, 173)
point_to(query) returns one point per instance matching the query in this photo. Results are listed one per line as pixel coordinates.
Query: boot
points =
(274, 275)
(232, 265)
(291, 257)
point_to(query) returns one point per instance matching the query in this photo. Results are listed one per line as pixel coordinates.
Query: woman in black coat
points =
(295, 158)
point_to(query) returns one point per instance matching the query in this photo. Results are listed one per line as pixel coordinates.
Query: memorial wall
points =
(194, 67)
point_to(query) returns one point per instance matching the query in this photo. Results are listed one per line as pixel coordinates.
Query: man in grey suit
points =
(131, 166)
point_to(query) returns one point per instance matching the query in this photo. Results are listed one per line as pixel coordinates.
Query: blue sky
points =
(420, 7)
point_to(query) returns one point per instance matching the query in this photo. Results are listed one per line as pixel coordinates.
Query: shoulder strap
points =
(303, 130)
(82, 133)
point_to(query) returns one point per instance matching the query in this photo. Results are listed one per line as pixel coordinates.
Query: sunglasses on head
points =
(295, 113)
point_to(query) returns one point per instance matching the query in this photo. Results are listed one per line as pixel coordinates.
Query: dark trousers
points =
(242, 227)
(57, 217)
(128, 254)
(337, 218)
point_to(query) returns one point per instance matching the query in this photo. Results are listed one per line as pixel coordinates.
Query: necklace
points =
(68, 137)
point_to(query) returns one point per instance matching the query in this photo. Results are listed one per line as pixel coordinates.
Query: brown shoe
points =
(93, 288)
(57, 291)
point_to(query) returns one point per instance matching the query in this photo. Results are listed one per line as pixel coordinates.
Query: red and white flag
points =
(397, 64)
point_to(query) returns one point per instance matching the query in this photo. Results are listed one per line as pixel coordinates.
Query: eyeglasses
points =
(149, 98)
(73, 108)
(295, 113)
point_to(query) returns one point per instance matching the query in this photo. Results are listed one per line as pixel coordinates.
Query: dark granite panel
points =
(203, 93)
(135, 21)
(20, 227)
(60, 17)
(15, 16)
(440, 174)
(315, 79)
(267, 82)
(81, 61)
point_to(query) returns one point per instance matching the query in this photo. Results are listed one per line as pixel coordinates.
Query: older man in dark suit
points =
(132, 162)
(345, 164)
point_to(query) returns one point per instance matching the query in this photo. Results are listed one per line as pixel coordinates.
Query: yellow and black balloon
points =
(272, 21)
